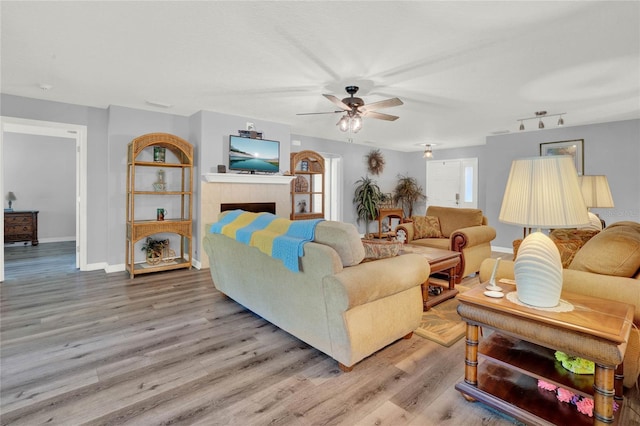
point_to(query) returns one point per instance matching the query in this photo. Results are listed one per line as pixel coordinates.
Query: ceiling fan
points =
(355, 109)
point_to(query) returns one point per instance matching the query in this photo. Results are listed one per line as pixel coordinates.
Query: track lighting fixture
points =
(539, 115)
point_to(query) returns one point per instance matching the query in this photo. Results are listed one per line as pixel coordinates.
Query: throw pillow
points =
(614, 251)
(568, 250)
(380, 249)
(426, 227)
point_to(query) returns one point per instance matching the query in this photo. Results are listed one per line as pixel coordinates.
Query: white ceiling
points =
(464, 70)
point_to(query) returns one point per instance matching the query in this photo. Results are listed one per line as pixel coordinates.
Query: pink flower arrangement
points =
(583, 404)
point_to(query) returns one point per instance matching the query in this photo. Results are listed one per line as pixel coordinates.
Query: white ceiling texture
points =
(464, 69)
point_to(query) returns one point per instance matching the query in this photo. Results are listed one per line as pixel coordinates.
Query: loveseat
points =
(462, 230)
(338, 304)
(607, 266)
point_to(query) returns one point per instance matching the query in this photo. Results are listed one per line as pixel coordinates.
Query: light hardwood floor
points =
(167, 348)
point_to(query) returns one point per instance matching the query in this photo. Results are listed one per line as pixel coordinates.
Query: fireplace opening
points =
(250, 207)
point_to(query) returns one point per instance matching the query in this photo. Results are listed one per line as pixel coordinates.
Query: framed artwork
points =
(574, 148)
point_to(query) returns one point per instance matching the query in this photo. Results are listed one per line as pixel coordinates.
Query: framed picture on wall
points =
(574, 148)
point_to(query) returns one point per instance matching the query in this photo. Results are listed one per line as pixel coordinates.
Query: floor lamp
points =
(542, 193)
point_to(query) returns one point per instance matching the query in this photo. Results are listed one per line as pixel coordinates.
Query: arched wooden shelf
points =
(140, 160)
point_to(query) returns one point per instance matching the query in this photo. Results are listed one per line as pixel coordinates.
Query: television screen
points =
(254, 155)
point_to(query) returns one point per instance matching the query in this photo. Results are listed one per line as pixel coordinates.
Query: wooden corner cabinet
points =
(159, 202)
(307, 186)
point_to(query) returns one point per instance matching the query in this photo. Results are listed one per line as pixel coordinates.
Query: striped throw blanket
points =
(280, 238)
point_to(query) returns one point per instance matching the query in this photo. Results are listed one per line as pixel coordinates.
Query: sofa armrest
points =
(408, 229)
(471, 236)
(370, 281)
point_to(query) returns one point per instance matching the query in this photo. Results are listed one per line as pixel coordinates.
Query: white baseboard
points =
(56, 239)
(115, 268)
(502, 249)
(95, 266)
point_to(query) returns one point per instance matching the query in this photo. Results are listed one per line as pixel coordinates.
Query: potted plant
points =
(367, 197)
(153, 249)
(407, 192)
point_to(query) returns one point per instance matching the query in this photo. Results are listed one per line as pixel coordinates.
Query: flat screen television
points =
(254, 155)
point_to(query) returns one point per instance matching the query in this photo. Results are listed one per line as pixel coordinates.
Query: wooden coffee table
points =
(521, 350)
(439, 261)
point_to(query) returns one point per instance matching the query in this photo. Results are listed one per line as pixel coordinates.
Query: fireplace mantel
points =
(247, 178)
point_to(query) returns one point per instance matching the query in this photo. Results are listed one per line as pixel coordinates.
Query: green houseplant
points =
(153, 248)
(367, 197)
(407, 192)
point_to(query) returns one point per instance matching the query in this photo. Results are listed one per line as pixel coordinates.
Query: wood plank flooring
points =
(167, 348)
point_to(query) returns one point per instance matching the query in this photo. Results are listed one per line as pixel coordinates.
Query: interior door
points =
(452, 183)
(443, 183)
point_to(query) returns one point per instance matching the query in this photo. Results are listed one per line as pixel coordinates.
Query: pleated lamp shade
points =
(595, 190)
(542, 192)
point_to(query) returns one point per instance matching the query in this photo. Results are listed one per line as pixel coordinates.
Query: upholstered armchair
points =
(463, 230)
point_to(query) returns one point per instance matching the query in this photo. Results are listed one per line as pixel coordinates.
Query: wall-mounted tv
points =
(254, 155)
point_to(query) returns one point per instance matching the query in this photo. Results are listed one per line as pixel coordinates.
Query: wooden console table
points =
(521, 350)
(21, 226)
(384, 214)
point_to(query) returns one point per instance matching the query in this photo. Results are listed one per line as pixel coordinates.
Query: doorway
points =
(452, 183)
(75, 132)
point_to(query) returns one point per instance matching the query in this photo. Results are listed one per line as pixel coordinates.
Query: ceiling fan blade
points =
(314, 113)
(380, 116)
(388, 103)
(338, 102)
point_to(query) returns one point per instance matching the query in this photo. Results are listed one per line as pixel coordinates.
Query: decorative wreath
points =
(375, 162)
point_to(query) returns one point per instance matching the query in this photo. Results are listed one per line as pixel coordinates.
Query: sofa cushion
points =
(614, 251)
(426, 227)
(343, 238)
(452, 219)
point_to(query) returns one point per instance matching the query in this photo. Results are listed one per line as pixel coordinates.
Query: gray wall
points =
(40, 170)
(96, 121)
(355, 166)
(611, 149)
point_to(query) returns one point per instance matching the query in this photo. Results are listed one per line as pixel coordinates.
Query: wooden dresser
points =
(21, 226)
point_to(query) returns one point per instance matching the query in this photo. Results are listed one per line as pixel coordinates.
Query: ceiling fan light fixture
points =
(560, 122)
(521, 125)
(356, 123)
(344, 123)
(540, 125)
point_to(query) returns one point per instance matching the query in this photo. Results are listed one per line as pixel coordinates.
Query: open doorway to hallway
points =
(63, 153)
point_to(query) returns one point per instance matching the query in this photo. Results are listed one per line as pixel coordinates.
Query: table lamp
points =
(596, 193)
(11, 197)
(542, 192)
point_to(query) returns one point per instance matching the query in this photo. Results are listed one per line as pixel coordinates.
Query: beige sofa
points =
(462, 230)
(337, 304)
(607, 267)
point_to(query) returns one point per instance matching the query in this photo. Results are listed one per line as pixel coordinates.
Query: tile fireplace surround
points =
(230, 188)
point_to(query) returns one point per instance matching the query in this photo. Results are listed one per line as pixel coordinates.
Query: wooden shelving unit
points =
(307, 186)
(141, 192)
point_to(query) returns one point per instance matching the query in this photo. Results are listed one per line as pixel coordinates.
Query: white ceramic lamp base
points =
(538, 271)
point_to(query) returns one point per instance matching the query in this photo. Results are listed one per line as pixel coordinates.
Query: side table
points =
(439, 261)
(384, 214)
(521, 350)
